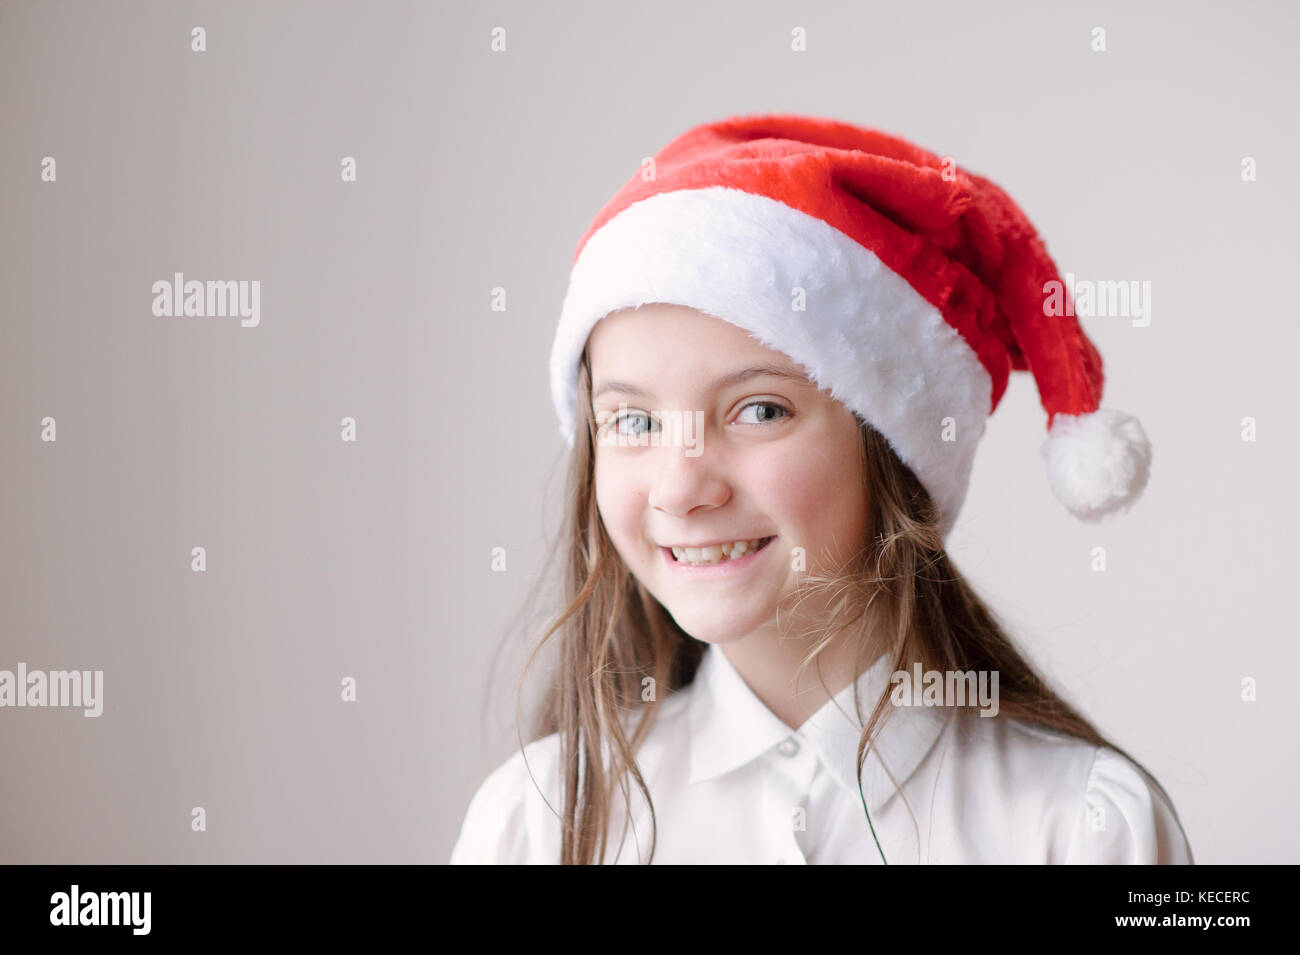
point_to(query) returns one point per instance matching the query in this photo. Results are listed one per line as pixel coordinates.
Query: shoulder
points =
(1127, 818)
(514, 817)
(1080, 802)
(505, 823)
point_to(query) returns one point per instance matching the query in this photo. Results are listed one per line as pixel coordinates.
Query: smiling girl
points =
(838, 311)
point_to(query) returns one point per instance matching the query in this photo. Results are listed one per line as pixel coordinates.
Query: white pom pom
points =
(1097, 463)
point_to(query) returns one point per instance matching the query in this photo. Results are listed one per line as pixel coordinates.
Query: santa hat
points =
(907, 287)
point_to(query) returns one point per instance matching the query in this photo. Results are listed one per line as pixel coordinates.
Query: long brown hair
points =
(900, 592)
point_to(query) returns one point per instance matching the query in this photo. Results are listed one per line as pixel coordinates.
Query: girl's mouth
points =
(717, 562)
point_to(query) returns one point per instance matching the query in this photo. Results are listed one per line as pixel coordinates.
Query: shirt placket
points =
(788, 771)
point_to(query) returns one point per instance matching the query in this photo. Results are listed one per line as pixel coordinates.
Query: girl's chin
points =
(706, 625)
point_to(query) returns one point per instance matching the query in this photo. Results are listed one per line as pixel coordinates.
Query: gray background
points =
(481, 169)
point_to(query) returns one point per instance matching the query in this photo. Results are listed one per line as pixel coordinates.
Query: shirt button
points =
(788, 747)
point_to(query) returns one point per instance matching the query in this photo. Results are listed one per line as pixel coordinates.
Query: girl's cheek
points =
(786, 485)
(616, 500)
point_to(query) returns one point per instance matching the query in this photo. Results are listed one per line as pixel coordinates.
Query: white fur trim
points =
(1097, 463)
(867, 337)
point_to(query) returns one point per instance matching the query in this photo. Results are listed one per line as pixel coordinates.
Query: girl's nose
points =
(686, 482)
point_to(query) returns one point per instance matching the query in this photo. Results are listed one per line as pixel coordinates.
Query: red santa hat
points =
(908, 288)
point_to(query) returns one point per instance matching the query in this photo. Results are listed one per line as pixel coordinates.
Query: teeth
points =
(703, 556)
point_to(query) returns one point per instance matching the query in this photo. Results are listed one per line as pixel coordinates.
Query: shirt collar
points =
(730, 726)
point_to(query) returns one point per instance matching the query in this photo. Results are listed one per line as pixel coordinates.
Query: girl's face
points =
(702, 454)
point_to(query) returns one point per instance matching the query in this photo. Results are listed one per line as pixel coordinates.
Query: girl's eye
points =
(636, 423)
(635, 416)
(764, 418)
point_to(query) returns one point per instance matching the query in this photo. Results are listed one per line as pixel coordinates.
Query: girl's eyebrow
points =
(726, 381)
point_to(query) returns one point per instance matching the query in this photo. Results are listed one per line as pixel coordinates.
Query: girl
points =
(778, 349)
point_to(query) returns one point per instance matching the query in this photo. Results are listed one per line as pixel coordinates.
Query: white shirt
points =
(732, 783)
